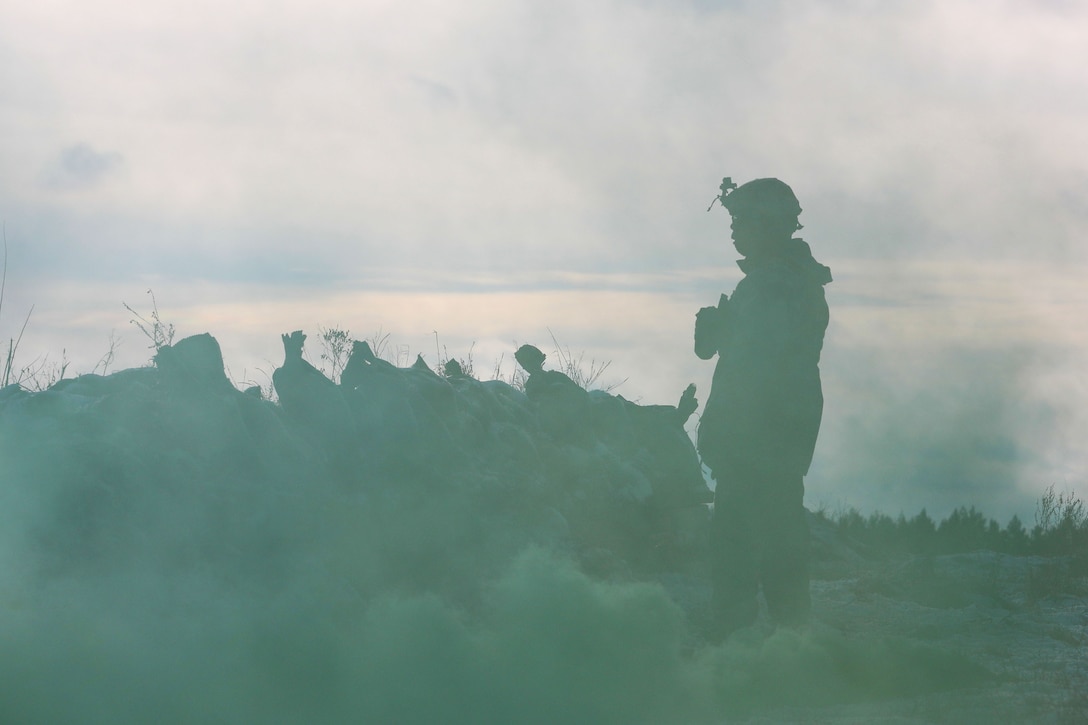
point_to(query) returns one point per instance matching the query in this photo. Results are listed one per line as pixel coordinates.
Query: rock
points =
(193, 363)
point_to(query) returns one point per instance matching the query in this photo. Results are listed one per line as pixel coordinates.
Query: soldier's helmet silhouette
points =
(530, 358)
(765, 196)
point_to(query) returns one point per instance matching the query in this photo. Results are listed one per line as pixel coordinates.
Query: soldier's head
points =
(764, 212)
(530, 358)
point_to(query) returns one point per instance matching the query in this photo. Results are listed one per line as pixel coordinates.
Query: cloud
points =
(438, 94)
(587, 137)
(82, 167)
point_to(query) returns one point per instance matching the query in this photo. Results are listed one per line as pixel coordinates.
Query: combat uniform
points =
(758, 432)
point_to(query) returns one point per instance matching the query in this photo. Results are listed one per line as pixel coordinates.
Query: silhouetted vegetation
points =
(158, 333)
(1060, 529)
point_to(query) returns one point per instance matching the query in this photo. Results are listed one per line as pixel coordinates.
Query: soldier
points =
(758, 431)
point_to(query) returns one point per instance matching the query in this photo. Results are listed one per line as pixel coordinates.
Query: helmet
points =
(530, 357)
(770, 194)
(767, 195)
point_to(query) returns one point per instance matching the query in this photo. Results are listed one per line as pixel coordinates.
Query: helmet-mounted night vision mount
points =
(727, 186)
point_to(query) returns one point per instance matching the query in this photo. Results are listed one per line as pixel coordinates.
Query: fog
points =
(458, 180)
(175, 550)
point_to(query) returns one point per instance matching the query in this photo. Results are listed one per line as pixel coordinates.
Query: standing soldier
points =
(759, 428)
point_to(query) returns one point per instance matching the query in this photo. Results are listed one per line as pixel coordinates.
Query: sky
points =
(466, 177)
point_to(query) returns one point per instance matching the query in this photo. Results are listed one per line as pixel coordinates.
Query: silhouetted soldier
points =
(561, 404)
(758, 431)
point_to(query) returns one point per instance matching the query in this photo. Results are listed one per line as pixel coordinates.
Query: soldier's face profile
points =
(754, 230)
(748, 232)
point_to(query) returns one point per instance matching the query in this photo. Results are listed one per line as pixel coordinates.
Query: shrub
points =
(1061, 525)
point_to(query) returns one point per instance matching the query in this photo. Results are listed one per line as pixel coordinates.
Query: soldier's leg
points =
(785, 548)
(733, 555)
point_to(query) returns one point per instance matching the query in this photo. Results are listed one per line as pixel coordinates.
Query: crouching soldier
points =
(758, 431)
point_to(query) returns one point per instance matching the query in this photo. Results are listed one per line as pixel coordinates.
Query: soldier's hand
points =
(708, 322)
(687, 404)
